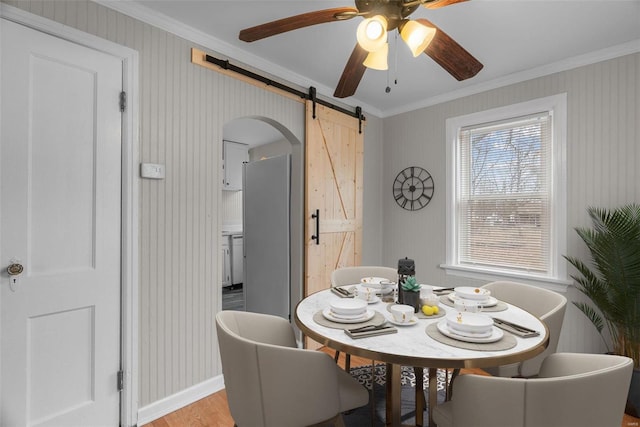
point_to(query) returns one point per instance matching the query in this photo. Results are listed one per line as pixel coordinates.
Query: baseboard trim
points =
(179, 400)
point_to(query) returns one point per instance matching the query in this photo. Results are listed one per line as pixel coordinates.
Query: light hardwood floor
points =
(212, 411)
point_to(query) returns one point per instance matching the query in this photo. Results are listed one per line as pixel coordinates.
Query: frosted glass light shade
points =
(378, 60)
(372, 33)
(417, 36)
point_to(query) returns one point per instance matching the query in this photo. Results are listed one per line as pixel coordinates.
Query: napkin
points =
(442, 291)
(342, 292)
(371, 332)
(518, 330)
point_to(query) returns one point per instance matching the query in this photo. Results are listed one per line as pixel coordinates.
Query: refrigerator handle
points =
(316, 236)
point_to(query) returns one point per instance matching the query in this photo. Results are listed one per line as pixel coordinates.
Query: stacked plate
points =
(472, 327)
(385, 285)
(347, 310)
(480, 295)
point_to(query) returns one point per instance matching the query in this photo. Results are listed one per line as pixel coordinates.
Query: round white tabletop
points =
(411, 346)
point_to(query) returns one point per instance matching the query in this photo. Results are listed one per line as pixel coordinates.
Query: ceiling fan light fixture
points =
(417, 36)
(372, 33)
(378, 60)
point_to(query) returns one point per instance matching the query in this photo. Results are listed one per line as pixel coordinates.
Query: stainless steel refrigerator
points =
(266, 200)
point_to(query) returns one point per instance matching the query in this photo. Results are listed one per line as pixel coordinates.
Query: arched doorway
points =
(265, 138)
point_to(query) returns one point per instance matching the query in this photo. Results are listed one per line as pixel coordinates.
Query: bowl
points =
(402, 313)
(373, 282)
(365, 293)
(468, 292)
(349, 306)
(469, 322)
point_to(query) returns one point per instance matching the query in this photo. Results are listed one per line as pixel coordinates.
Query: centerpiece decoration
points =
(410, 290)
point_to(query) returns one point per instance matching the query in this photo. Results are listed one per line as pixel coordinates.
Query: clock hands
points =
(413, 188)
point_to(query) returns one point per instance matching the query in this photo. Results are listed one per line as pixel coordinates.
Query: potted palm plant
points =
(612, 283)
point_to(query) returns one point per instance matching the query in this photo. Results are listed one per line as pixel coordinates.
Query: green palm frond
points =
(612, 280)
(594, 317)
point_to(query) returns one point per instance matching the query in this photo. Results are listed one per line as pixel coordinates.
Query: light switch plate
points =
(152, 170)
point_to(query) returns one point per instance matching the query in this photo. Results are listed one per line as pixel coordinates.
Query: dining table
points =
(420, 343)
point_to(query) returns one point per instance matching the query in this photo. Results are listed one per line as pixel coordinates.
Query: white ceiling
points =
(514, 39)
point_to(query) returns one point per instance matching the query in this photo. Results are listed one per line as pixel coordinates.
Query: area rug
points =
(374, 413)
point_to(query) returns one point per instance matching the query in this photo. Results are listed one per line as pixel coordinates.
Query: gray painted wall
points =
(603, 153)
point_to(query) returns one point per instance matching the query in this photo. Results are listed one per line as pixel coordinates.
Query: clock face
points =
(413, 188)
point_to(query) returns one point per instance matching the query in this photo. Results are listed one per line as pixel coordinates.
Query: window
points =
(506, 197)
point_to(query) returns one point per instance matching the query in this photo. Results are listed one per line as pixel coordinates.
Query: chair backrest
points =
(572, 390)
(548, 305)
(265, 374)
(352, 275)
(579, 390)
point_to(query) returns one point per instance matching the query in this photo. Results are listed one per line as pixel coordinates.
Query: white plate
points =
(469, 292)
(373, 280)
(496, 334)
(411, 322)
(348, 306)
(348, 316)
(468, 334)
(330, 316)
(471, 323)
(489, 303)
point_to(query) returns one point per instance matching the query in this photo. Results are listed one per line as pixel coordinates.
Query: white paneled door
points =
(60, 214)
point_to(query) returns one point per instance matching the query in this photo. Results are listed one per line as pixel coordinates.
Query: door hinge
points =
(120, 380)
(123, 101)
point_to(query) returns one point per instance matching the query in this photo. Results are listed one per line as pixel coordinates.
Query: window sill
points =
(551, 283)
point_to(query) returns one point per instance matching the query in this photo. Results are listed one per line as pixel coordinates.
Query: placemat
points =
(377, 319)
(505, 343)
(421, 315)
(500, 306)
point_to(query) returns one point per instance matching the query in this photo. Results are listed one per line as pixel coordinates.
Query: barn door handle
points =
(316, 236)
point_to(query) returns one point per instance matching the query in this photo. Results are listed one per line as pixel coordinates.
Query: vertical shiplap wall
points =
(183, 108)
(603, 154)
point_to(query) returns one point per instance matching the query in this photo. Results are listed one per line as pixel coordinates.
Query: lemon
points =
(427, 310)
(436, 310)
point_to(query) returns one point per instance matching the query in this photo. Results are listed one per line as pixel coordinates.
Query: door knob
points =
(15, 269)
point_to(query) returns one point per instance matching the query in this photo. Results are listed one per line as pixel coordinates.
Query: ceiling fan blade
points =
(352, 74)
(450, 55)
(294, 22)
(436, 4)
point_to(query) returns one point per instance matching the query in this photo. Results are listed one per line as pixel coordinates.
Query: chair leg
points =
(373, 393)
(347, 360)
(449, 391)
(420, 399)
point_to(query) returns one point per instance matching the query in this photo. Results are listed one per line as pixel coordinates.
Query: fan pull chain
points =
(395, 64)
(395, 53)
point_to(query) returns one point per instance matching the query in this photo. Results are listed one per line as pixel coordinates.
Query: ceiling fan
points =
(381, 16)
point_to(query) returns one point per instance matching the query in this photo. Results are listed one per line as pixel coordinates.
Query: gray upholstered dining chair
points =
(272, 383)
(352, 275)
(572, 390)
(547, 305)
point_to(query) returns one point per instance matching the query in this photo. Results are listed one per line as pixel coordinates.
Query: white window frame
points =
(557, 277)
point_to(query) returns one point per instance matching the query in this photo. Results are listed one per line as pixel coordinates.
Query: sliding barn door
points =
(334, 155)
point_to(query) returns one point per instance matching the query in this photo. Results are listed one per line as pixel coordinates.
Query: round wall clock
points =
(413, 188)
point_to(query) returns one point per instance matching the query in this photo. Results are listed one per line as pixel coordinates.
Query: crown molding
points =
(179, 29)
(186, 32)
(545, 70)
